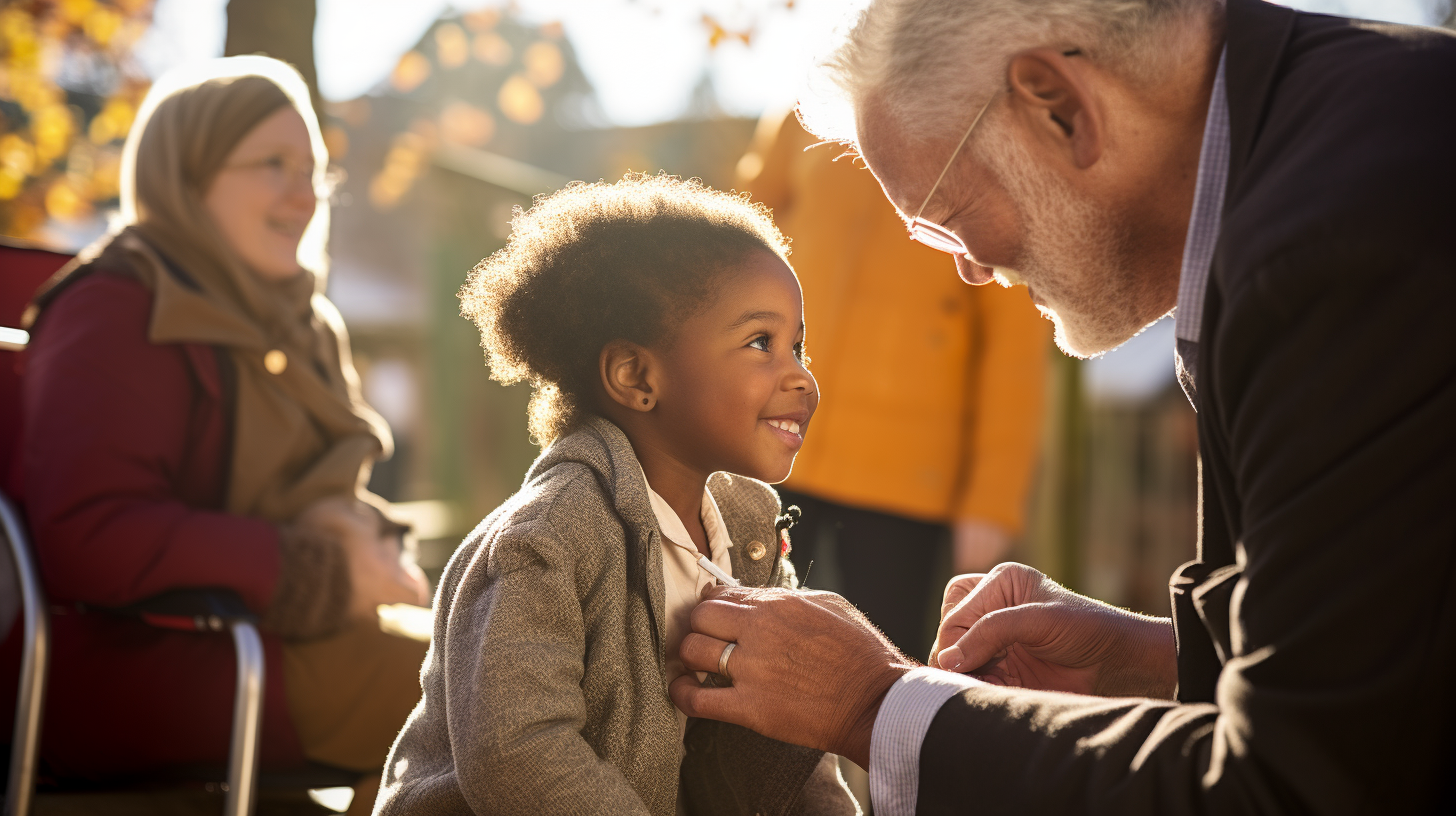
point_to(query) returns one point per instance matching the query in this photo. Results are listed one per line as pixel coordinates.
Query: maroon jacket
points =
(124, 464)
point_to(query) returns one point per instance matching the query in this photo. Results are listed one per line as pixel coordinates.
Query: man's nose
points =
(972, 272)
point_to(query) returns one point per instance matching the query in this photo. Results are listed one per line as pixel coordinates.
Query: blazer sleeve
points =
(513, 666)
(1334, 386)
(1004, 407)
(108, 420)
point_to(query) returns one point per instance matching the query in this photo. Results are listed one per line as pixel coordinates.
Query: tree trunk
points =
(282, 29)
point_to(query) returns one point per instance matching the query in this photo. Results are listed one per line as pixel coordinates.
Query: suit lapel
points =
(1257, 35)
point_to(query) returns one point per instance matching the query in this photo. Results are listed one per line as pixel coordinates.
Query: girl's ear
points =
(628, 374)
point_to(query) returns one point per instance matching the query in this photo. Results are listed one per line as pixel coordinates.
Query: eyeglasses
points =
(932, 234)
(283, 171)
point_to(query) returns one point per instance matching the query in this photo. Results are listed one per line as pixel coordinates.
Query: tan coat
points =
(544, 688)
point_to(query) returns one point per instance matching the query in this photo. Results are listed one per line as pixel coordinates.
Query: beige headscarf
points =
(301, 430)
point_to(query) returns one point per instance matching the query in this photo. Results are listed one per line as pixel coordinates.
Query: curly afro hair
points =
(593, 263)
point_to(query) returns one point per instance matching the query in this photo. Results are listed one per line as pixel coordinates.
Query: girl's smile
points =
(790, 428)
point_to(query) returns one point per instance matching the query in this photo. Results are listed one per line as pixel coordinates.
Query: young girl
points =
(662, 331)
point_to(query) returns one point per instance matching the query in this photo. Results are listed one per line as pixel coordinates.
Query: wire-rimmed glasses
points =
(930, 233)
(283, 171)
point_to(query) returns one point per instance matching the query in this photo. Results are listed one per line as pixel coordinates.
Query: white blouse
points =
(682, 577)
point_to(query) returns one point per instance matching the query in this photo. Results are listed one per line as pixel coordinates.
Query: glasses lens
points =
(334, 176)
(937, 237)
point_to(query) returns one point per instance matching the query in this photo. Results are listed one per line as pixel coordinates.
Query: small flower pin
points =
(783, 523)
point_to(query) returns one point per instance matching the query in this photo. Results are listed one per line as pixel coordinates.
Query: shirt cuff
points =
(905, 716)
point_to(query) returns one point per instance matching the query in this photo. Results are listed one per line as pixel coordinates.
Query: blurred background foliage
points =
(68, 91)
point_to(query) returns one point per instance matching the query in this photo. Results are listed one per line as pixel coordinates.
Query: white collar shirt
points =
(1204, 224)
(682, 578)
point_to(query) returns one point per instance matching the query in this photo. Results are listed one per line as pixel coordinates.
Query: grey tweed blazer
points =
(544, 690)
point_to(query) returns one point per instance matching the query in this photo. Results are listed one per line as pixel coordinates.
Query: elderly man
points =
(1285, 181)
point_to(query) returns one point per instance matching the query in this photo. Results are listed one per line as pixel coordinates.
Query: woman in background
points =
(193, 419)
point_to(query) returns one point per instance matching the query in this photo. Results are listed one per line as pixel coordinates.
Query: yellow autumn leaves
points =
(59, 151)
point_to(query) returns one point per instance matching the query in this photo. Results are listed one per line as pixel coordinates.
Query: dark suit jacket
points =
(1317, 628)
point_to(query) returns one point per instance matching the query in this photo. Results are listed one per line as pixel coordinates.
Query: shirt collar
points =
(1207, 216)
(676, 532)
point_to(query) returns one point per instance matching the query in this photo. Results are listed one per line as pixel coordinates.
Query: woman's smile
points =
(290, 228)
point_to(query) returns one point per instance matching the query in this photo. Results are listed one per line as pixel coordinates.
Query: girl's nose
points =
(799, 378)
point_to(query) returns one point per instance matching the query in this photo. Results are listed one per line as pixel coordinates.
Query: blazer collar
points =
(601, 446)
(1257, 35)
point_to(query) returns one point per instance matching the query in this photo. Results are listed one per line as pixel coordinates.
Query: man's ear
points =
(1053, 86)
(628, 374)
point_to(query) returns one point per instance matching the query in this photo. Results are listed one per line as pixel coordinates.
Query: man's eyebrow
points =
(749, 317)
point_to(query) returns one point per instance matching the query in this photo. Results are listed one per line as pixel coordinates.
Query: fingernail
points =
(950, 659)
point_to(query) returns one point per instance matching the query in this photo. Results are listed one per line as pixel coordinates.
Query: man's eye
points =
(275, 163)
(760, 342)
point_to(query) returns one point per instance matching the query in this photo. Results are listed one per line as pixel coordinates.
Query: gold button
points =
(275, 361)
(757, 551)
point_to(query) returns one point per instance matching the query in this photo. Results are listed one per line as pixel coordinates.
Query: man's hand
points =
(378, 571)
(979, 545)
(1015, 627)
(809, 668)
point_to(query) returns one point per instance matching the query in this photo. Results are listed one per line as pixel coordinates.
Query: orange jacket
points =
(932, 388)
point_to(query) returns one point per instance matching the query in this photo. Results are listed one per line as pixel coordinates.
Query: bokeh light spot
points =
(464, 124)
(544, 63)
(452, 45)
(492, 49)
(413, 69)
(520, 101)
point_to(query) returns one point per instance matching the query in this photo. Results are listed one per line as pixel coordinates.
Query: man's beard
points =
(1074, 255)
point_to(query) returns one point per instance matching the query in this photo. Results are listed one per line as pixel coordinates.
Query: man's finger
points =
(721, 618)
(982, 597)
(961, 586)
(723, 592)
(995, 632)
(696, 700)
(700, 652)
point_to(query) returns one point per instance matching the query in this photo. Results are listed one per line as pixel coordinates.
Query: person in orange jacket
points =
(934, 422)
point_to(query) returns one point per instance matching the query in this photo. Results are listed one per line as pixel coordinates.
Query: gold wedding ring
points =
(723, 661)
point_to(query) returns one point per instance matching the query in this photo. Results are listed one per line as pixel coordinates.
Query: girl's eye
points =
(760, 342)
(799, 352)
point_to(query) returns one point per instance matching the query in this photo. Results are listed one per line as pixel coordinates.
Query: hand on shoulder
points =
(807, 668)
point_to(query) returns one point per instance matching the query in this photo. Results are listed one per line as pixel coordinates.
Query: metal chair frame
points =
(209, 611)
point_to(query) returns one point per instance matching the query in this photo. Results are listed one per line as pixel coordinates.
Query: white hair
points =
(927, 62)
